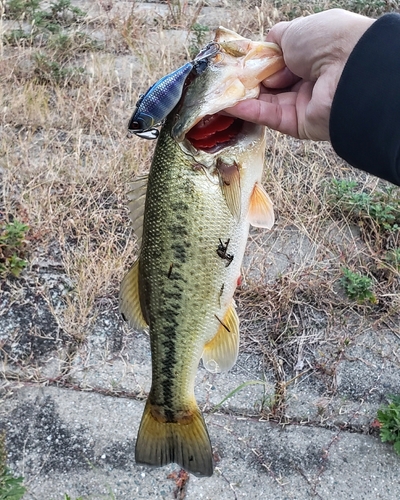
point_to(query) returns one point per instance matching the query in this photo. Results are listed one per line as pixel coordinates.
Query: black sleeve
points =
(365, 117)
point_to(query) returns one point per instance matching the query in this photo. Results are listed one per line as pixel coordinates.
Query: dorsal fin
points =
(137, 197)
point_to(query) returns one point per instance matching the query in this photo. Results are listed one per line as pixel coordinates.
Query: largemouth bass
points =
(192, 215)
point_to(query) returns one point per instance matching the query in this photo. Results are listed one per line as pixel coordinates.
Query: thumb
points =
(275, 34)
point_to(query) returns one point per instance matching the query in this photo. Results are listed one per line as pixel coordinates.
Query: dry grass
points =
(65, 164)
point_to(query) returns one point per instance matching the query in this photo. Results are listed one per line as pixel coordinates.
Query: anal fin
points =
(221, 352)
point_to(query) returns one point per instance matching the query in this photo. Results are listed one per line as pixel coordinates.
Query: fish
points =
(191, 215)
(161, 98)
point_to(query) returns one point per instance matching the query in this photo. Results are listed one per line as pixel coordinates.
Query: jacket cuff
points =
(365, 116)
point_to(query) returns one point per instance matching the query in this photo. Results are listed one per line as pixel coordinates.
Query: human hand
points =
(297, 100)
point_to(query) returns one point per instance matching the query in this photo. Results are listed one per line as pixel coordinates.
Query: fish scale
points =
(197, 272)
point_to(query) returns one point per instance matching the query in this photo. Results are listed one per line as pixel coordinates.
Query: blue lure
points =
(157, 102)
(161, 98)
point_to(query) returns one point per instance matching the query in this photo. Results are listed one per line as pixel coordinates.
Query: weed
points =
(389, 418)
(21, 9)
(369, 8)
(13, 234)
(54, 72)
(16, 265)
(110, 496)
(50, 29)
(12, 248)
(64, 10)
(357, 287)
(64, 45)
(380, 207)
(238, 389)
(392, 258)
(11, 488)
(60, 13)
(182, 14)
(16, 36)
(199, 34)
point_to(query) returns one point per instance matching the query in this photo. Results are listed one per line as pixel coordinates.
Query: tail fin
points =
(186, 444)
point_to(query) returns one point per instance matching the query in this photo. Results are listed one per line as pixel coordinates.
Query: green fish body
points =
(200, 198)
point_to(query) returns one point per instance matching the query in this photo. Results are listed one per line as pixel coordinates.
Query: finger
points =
(276, 32)
(281, 80)
(275, 111)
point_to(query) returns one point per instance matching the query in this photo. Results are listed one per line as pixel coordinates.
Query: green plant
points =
(51, 72)
(12, 247)
(392, 258)
(389, 418)
(13, 234)
(11, 488)
(369, 8)
(238, 389)
(17, 9)
(64, 45)
(182, 13)
(199, 33)
(60, 14)
(65, 10)
(381, 207)
(16, 36)
(357, 286)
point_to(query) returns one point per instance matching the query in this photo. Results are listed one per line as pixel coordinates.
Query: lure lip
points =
(150, 134)
(209, 51)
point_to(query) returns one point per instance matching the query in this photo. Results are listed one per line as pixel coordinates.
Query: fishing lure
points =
(161, 98)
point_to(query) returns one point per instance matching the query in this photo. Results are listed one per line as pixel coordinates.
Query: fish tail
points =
(186, 442)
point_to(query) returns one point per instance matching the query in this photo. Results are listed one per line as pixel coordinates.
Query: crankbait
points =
(161, 98)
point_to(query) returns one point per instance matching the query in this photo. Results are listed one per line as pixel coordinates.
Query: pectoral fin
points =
(129, 299)
(261, 210)
(229, 180)
(137, 198)
(221, 352)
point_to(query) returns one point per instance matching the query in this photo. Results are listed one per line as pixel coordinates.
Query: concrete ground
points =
(71, 419)
(80, 443)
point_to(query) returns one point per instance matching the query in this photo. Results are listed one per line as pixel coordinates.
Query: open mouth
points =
(214, 132)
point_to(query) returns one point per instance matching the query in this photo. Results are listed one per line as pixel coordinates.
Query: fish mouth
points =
(232, 75)
(215, 132)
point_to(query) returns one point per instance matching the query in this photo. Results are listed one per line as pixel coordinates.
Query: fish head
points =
(234, 73)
